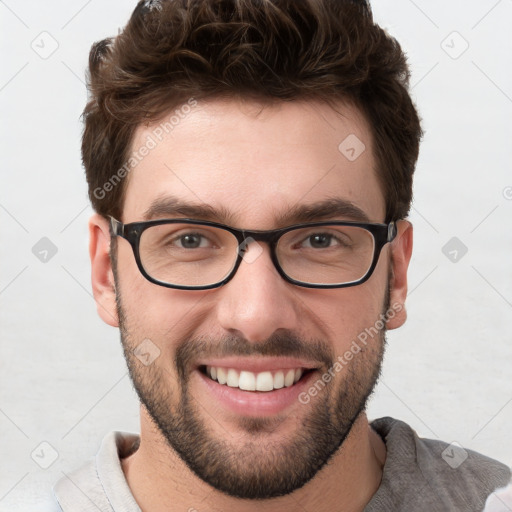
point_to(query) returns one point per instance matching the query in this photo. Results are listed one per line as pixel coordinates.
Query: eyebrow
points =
(171, 207)
(322, 210)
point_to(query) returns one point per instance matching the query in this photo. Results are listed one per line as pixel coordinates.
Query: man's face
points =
(252, 170)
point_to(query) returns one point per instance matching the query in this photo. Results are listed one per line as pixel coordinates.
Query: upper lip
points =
(259, 364)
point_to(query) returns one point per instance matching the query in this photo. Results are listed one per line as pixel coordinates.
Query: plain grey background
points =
(63, 380)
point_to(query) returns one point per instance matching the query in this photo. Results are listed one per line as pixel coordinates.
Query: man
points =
(250, 163)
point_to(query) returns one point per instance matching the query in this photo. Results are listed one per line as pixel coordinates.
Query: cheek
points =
(162, 315)
(342, 315)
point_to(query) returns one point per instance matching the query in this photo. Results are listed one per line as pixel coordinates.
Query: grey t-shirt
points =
(420, 475)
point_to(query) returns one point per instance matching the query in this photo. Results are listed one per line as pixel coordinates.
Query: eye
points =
(191, 241)
(325, 241)
(319, 241)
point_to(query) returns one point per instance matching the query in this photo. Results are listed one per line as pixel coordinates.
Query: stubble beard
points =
(257, 468)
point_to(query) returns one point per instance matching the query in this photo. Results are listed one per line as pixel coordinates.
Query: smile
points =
(251, 381)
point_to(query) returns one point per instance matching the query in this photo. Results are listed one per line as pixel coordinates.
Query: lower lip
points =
(255, 403)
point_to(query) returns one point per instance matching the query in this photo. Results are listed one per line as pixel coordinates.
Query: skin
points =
(238, 157)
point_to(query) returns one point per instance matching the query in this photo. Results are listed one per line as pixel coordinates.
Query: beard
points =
(259, 466)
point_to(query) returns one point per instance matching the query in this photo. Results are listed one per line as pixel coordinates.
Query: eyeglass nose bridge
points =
(270, 238)
(247, 238)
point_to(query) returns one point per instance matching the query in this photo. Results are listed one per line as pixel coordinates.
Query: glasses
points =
(190, 254)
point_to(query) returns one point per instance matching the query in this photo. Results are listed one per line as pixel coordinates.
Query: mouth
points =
(253, 388)
(263, 381)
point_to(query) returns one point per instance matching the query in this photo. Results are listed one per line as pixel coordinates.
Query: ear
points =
(102, 276)
(401, 250)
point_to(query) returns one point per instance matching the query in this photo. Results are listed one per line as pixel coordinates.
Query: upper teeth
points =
(249, 381)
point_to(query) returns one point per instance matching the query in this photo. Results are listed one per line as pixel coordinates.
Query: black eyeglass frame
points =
(382, 234)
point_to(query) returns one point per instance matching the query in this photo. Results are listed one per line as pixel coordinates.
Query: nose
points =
(257, 301)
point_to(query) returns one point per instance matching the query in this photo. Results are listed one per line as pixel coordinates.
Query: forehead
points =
(252, 164)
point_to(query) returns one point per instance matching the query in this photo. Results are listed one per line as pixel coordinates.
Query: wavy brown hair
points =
(270, 50)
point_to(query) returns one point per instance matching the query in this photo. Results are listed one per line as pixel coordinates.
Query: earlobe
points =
(401, 251)
(102, 276)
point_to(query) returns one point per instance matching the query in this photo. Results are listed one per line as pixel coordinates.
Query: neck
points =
(158, 478)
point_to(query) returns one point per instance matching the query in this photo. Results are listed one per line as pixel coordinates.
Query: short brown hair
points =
(274, 50)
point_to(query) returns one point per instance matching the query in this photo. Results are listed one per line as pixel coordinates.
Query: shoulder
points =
(80, 489)
(99, 484)
(430, 472)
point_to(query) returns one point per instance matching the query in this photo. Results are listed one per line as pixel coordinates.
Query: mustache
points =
(280, 344)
